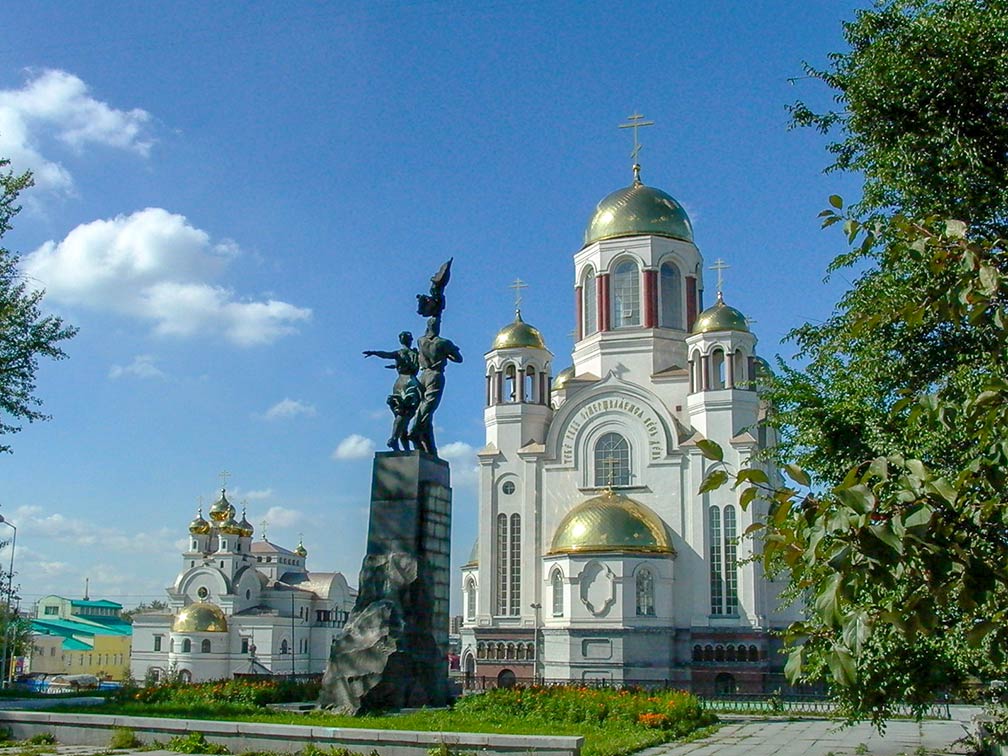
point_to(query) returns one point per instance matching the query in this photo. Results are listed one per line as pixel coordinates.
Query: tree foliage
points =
(25, 333)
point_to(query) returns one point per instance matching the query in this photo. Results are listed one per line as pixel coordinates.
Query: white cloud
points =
(142, 367)
(465, 471)
(279, 517)
(457, 450)
(287, 408)
(354, 446)
(239, 494)
(57, 104)
(155, 266)
(58, 527)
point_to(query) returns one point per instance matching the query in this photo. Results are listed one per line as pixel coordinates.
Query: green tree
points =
(154, 605)
(25, 333)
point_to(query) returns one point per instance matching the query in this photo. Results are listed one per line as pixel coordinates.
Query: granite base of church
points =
(393, 651)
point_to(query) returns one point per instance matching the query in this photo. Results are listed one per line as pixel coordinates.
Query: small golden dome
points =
(199, 526)
(301, 551)
(638, 210)
(720, 317)
(202, 617)
(562, 377)
(221, 509)
(246, 527)
(518, 335)
(611, 522)
(231, 526)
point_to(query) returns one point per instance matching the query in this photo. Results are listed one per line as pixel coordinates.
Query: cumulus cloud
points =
(287, 408)
(280, 517)
(255, 494)
(155, 266)
(142, 367)
(354, 446)
(58, 527)
(465, 471)
(57, 105)
(457, 450)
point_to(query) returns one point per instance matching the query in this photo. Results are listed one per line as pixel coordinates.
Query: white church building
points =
(597, 559)
(240, 606)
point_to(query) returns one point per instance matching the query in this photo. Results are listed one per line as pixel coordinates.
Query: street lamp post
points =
(4, 669)
(535, 662)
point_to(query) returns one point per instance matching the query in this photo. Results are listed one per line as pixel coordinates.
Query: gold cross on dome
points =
(635, 123)
(224, 475)
(518, 285)
(720, 266)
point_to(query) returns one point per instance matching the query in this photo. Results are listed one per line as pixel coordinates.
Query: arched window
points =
(739, 377)
(612, 461)
(529, 395)
(717, 369)
(283, 646)
(510, 385)
(520, 652)
(753, 653)
(470, 599)
(719, 652)
(730, 653)
(626, 295)
(530, 651)
(502, 563)
(589, 303)
(501, 651)
(185, 676)
(186, 646)
(697, 653)
(670, 297)
(716, 576)
(730, 568)
(515, 597)
(491, 651)
(645, 593)
(724, 685)
(510, 652)
(708, 653)
(205, 646)
(556, 583)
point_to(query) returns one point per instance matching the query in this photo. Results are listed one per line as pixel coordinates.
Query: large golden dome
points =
(720, 317)
(221, 509)
(562, 377)
(638, 210)
(201, 617)
(611, 522)
(518, 335)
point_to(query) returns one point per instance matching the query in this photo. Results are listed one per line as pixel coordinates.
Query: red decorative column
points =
(603, 302)
(578, 315)
(691, 302)
(650, 298)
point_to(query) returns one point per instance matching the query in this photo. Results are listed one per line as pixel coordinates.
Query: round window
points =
(508, 487)
(202, 592)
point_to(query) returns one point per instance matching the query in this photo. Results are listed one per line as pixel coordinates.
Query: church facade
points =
(240, 607)
(597, 558)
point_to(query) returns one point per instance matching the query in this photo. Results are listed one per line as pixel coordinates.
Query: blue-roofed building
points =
(80, 636)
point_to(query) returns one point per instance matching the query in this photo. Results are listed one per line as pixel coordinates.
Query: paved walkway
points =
(820, 737)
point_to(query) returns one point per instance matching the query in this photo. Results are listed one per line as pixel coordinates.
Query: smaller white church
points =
(240, 607)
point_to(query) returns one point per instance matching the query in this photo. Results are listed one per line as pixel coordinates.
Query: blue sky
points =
(234, 200)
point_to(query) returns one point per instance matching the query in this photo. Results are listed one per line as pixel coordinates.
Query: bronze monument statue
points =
(406, 393)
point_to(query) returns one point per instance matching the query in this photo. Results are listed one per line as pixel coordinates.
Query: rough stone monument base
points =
(393, 652)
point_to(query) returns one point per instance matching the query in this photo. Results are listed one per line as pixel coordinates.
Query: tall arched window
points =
(283, 646)
(205, 646)
(731, 570)
(502, 563)
(470, 599)
(612, 461)
(515, 565)
(645, 593)
(186, 646)
(670, 297)
(716, 576)
(626, 295)
(589, 303)
(717, 369)
(556, 583)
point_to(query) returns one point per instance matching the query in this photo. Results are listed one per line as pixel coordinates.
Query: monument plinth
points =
(393, 653)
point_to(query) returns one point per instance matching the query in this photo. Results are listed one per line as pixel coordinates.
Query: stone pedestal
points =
(393, 652)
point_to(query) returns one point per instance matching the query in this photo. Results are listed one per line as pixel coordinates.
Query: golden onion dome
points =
(231, 526)
(518, 335)
(221, 509)
(562, 377)
(202, 617)
(720, 317)
(246, 527)
(199, 526)
(611, 522)
(638, 210)
(301, 551)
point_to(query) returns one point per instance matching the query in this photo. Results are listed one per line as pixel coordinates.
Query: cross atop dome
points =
(518, 285)
(635, 123)
(720, 266)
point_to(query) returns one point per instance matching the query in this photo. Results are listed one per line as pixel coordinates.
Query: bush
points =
(194, 742)
(238, 692)
(124, 737)
(675, 712)
(43, 738)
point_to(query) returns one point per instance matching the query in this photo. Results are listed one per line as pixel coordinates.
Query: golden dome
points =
(638, 210)
(720, 317)
(611, 522)
(301, 551)
(231, 526)
(199, 526)
(202, 617)
(518, 335)
(221, 509)
(763, 369)
(562, 377)
(246, 527)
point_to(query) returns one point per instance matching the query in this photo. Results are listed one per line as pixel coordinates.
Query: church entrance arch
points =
(724, 685)
(506, 679)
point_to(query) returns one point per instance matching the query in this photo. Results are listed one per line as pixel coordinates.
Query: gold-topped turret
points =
(246, 527)
(519, 335)
(221, 509)
(301, 551)
(199, 526)
(720, 317)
